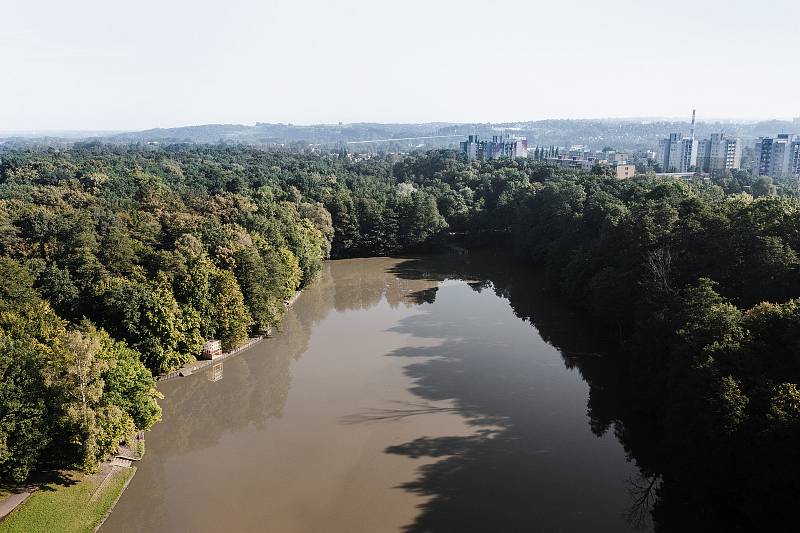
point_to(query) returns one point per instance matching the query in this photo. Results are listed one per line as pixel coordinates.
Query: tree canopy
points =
(117, 263)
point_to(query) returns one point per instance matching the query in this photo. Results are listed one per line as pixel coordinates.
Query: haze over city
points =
(92, 65)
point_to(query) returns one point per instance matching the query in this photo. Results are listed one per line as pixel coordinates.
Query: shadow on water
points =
(527, 467)
(403, 411)
(251, 394)
(557, 443)
(507, 477)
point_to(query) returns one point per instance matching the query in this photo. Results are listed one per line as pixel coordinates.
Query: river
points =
(401, 395)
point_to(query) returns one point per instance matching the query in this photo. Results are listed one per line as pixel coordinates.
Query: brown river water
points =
(400, 395)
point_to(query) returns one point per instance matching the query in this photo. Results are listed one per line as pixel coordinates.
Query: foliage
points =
(69, 395)
(164, 248)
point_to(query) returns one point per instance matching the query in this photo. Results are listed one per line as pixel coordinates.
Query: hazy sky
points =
(105, 64)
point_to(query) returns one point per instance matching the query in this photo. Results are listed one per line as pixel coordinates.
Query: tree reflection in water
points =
(252, 393)
(503, 478)
(524, 468)
(502, 462)
(528, 465)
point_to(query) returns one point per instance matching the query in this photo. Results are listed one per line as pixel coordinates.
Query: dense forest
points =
(118, 262)
(117, 265)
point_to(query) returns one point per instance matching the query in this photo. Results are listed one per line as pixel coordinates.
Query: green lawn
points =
(67, 507)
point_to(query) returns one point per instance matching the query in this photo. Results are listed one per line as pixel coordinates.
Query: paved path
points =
(11, 503)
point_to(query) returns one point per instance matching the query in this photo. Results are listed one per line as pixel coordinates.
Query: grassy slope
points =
(66, 508)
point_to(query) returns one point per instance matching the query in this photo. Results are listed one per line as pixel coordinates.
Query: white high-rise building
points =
(677, 153)
(663, 153)
(777, 157)
(719, 153)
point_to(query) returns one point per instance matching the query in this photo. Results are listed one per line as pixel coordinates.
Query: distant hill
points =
(626, 134)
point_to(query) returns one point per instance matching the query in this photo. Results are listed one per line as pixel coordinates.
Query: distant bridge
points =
(404, 139)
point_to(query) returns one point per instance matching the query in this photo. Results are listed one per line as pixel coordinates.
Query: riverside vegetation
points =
(118, 262)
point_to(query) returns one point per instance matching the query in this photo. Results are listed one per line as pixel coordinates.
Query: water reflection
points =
(531, 465)
(419, 404)
(484, 462)
(197, 413)
(215, 372)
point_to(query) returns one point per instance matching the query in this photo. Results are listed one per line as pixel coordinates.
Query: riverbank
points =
(73, 502)
(59, 495)
(77, 502)
(200, 364)
(35, 508)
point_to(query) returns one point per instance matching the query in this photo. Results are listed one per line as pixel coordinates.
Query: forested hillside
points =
(623, 134)
(117, 264)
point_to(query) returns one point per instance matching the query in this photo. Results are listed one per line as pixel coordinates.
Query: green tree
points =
(148, 317)
(763, 186)
(128, 384)
(25, 429)
(231, 317)
(75, 377)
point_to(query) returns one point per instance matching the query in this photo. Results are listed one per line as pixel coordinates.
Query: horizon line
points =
(640, 119)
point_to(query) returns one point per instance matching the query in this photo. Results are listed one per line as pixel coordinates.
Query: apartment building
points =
(777, 156)
(719, 153)
(677, 153)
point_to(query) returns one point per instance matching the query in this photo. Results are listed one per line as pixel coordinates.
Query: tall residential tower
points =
(677, 153)
(719, 153)
(777, 157)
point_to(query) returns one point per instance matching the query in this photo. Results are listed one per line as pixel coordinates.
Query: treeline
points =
(118, 264)
(701, 284)
(703, 288)
(143, 253)
(69, 395)
(156, 250)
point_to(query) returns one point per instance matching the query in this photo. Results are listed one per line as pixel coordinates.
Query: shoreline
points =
(184, 371)
(188, 370)
(201, 364)
(116, 500)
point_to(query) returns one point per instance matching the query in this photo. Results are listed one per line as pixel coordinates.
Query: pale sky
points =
(111, 65)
